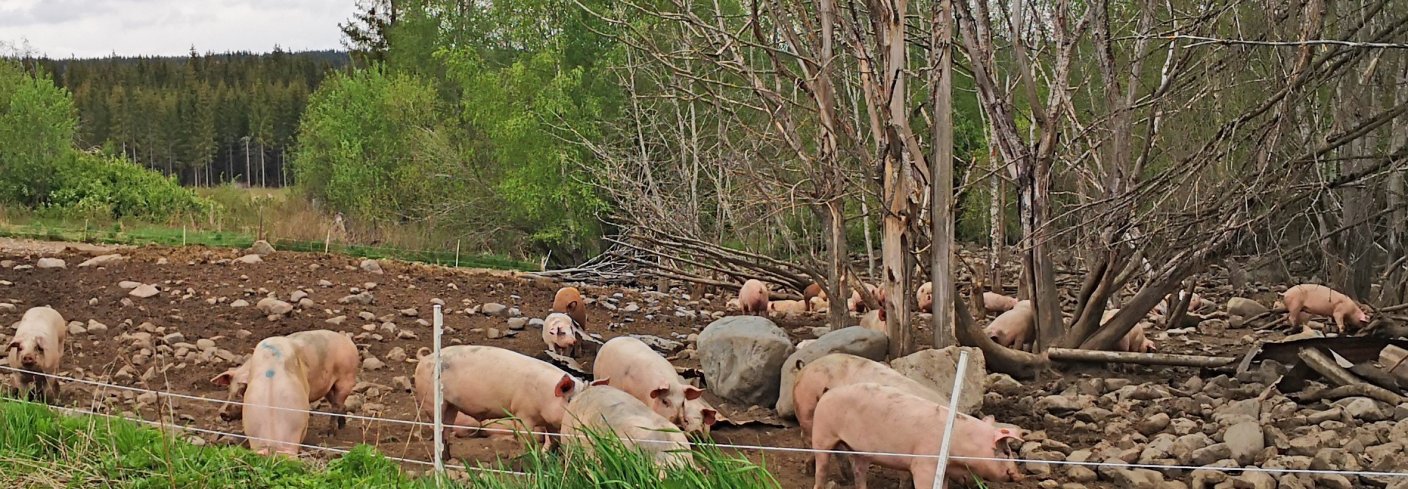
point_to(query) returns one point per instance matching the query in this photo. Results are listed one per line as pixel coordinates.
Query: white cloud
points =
(95, 28)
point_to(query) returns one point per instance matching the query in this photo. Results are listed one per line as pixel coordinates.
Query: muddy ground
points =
(198, 285)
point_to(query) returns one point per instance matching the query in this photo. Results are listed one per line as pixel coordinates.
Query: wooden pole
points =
(1170, 359)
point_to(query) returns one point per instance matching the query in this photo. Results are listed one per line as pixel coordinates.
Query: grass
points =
(41, 448)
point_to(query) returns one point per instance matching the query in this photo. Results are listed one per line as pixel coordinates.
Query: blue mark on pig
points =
(272, 350)
(269, 374)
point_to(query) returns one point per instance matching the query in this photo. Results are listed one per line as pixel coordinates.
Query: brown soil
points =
(83, 294)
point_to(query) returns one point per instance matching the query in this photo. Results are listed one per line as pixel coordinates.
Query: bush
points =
(37, 121)
(99, 184)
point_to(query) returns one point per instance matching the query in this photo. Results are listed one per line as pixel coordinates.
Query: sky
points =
(97, 28)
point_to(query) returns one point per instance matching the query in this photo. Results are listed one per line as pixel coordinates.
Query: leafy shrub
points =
(88, 183)
(37, 121)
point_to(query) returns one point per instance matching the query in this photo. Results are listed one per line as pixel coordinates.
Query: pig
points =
(559, 335)
(603, 409)
(857, 305)
(753, 298)
(1323, 301)
(813, 291)
(733, 305)
(37, 349)
(818, 304)
(327, 363)
(875, 320)
(633, 367)
(840, 369)
(997, 303)
(787, 308)
(486, 383)
(569, 301)
(925, 297)
(1013, 329)
(882, 419)
(699, 416)
(1194, 304)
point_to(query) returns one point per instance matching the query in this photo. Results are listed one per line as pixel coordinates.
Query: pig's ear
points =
(603, 381)
(14, 345)
(564, 386)
(989, 419)
(1005, 433)
(710, 416)
(691, 393)
(223, 379)
(659, 391)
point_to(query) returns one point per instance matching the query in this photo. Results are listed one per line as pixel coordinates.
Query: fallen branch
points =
(1322, 364)
(1169, 359)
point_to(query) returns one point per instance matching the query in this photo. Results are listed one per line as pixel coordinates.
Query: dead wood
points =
(1322, 364)
(1169, 359)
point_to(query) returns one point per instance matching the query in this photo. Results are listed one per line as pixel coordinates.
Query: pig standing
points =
(633, 367)
(753, 298)
(486, 383)
(329, 360)
(1323, 301)
(37, 348)
(840, 369)
(603, 409)
(997, 303)
(1013, 328)
(811, 292)
(925, 297)
(569, 301)
(875, 320)
(559, 335)
(878, 418)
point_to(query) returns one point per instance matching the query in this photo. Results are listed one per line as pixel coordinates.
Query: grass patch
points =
(41, 448)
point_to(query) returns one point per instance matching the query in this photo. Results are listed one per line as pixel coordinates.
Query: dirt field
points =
(198, 285)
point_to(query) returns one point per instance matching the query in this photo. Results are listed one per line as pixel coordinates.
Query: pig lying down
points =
(282, 380)
(604, 410)
(884, 419)
(1014, 328)
(632, 367)
(37, 348)
(1320, 300)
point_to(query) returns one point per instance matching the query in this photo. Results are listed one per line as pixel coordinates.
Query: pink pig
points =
(486, 383)
(753, 298)
(1013, 329)
(995, 302)
(1135, 340)
(329, 363)
(879, 418)
(282, 381)
(925, 297)
(840, 369)
(1323, 301)
(604, 410)
(559, 335)
(633, 367)
(38, 348)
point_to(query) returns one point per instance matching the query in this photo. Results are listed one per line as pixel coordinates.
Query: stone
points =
(173, 338)
(517, 324)
(128, 285)
(409, 312)
(1247, 308)
(494, 309)
(273, 307)
(402, 383)
(205, 344)
(76, 328)
(493, 333)
(101, 261)
(261, 248)
(239, 303)
(45, 263)
(1080, 473)
(372, 363)
(1186, 445)
(371, 266)
(1362, 409)
(95, 327)
(742, 358)
(937, 370)
(854, 340)
(297, 296)
(1211, 454)
(1150, 425)
(1254, 480)
(1245, 440)
(335, 320)
(1334, 459)
(396, 354)
(249, 259)
(1003, 384)
(325, 283)
(144, 291)
(363, 298)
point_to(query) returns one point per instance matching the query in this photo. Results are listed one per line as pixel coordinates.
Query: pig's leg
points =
(51, 391)
(859, 466)
(447, 412)
(1293, 313)
(337, 397)
(821, 461)
(821, 441)
(923, 475)
(1340, 320)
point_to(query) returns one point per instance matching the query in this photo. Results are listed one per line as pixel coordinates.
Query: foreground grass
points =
(40, 448)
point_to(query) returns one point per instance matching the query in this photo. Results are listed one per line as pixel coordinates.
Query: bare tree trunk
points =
(1397, 188)
(869, 243)
(941, 168)
(997, 214)
(836, 286)
(898, 178)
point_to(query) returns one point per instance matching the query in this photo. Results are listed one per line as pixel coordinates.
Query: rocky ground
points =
(170, 319)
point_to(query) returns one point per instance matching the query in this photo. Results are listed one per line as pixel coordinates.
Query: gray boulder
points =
(936, 369)
(742, 357)
(854, 340)
(262, 248)
(50, 263)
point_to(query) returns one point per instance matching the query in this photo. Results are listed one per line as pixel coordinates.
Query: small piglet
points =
(840, 369)
(603, 410)
(569, 301)
(282, 380)
(997, 303)
(559, 335)
(925, 297)
(884, 419)
(1013, 329)
(486, 383)
(1323, 301)
(38, 348)
(753, 298)
(631, 366)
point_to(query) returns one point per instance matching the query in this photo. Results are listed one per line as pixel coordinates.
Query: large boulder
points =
(742, 359)
(50, 263)
(1247, 308)
(854, 340)
(262, 248)
(936, 369)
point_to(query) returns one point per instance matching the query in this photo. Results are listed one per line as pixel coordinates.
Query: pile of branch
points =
(615, 266)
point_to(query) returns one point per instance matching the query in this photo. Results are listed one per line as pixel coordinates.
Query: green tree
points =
(37, 121)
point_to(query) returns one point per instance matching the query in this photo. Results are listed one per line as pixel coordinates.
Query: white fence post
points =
(939, 473)
(439, 401)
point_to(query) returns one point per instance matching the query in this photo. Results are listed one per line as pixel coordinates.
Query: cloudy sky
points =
(94, 28)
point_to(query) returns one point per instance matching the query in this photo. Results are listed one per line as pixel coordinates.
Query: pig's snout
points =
(29, 360)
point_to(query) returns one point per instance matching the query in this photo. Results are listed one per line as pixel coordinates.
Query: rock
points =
(854, 340)
(1211, 454)
(144, 291)
(1254, 480)
(406, 334)
(261, 248)
(1150, 425)
(239, 303)
(1060, 405)
(45, 263)
(493, 309)
(371, 266)
(128, 285)
(402, 383)
(8, 307)
(273, 307)
(1334, 459)
(372, 363)
(76, 328)
(205, 344)
(1237, 411)
(1362, 409)
(409, 312)
(363, 298)
(325, 283)
(1134, 478)
(396, 355)
(517, 324)
(335, 320)
(367, 316)
(1186, 445)
(937, 368)
(95, 327)
(297, 296)
(742, 357)
(173, 338)
(1081, 473)
(1332, 481)
(101, 261)
(1247, 308)
(1245, 440)
(249, 259)
(493, 333)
